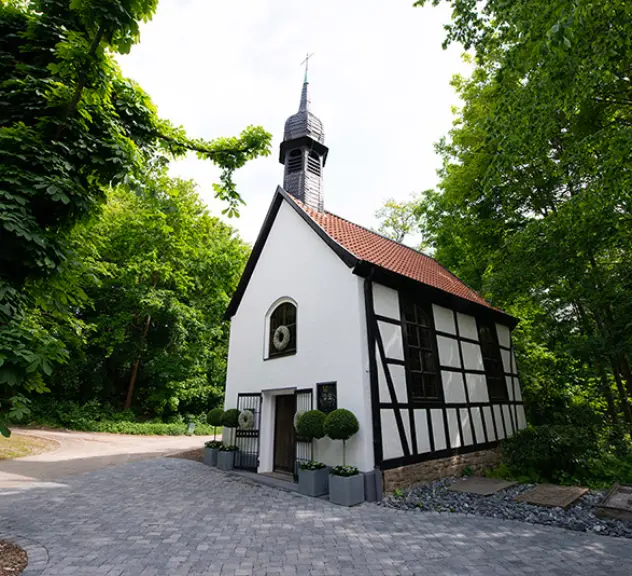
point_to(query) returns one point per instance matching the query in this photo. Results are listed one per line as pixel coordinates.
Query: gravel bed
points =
(436, 497)
(13, 559)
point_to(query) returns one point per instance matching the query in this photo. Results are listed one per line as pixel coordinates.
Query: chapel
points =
(329, 314)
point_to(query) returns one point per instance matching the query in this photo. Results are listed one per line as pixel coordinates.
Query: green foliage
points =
(550, 452)
(231, 418)
(215, 417)
(534, 205)
(344, 471)
(311, 425)
(398, 219)
(312, 465)
(71, 128)
(229, 448)
(341, 424)
(467, 471)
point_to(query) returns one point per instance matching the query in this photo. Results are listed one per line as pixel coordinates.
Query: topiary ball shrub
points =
(341, 424)
(230, 418)
(215, 416)
(311, 424)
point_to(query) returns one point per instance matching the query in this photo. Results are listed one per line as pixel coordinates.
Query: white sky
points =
(379, 81)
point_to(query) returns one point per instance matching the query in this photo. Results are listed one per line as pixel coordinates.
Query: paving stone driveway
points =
(179, 518)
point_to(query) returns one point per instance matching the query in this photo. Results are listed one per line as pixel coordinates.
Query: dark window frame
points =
(278, 317)
(492, 362)
(319, 388)
(424, 345)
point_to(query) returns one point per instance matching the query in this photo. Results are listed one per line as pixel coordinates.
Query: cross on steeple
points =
(306, 62)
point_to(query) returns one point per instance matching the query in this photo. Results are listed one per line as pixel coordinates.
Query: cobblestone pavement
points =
(179, 518)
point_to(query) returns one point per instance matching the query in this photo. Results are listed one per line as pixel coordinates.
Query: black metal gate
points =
(247, 440)
(304, 402)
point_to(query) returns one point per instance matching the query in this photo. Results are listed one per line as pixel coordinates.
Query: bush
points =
(311, 424)
(225, 448)
(551, 453)
(230, 419)
(341, 424)
(215, 416)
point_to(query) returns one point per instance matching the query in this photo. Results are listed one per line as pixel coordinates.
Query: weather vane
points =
(306, 62)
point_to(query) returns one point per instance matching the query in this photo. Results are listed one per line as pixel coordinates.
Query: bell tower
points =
(303, 153)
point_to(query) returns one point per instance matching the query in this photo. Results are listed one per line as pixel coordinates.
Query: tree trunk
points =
(132, 380)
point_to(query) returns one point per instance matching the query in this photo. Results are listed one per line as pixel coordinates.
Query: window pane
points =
(413, 337)
(426, 339)
(430, 386)
(417, 386)
(415, 360)
(409, 312)
(428, 359)
(422, 318)
(283, 318)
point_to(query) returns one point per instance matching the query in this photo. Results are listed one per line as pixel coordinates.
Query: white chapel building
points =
(331, 315)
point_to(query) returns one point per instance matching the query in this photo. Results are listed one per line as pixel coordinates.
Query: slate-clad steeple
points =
(303, 153)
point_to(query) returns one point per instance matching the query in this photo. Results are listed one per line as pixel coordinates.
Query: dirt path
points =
(80, 452)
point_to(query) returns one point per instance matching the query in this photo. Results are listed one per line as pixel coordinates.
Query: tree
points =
(534, 206)
(397, 219)
(155, 337)
(72, 126)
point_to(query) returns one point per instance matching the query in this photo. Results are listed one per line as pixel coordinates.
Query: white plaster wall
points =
(331, 334)
(472, 356)
(448, 352)
(392, 340)
(453, 387)
(467, 326)
(477, 388)
(436, 417)
(421, 428)
(444, 319)
(386, 301)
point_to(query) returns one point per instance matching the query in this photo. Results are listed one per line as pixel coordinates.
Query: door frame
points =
(291, 448)
(268, 421)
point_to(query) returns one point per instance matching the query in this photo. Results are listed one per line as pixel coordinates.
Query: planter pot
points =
(225, 460)
(346, 490)
(210, 456)
(313, 482)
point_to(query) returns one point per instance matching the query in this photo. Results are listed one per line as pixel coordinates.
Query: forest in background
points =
(534, 211)
(113, 278)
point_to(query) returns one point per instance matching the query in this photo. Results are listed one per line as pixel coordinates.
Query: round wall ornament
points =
(281, 338)
(246, 419)
(298, 414)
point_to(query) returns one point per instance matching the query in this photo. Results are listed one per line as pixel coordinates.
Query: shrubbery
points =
(311, 425)
(565, 454)
(230, 418)
(94, 416)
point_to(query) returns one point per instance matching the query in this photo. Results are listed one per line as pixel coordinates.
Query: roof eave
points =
(366, 269)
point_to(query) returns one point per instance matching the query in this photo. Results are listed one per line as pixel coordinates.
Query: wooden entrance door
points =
(284, 441)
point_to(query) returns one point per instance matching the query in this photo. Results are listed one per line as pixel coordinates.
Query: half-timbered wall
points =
(463, 418)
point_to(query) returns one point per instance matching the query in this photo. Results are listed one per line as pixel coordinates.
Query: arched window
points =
(494, 371)
(295, 161)
(313, 163)
(282, 330)
(421, 362)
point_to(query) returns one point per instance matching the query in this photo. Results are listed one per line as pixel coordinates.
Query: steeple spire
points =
(303, 152)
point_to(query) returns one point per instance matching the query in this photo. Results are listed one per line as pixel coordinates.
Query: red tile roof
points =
(376, 249)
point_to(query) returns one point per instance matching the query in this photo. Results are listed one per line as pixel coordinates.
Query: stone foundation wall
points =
(406, 476)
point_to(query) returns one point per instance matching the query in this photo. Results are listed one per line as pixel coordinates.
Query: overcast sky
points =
(379, 81)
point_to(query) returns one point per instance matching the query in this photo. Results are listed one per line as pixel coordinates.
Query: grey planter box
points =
(313, 482)
(225, 460)
(346, 490)
(210, 456)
